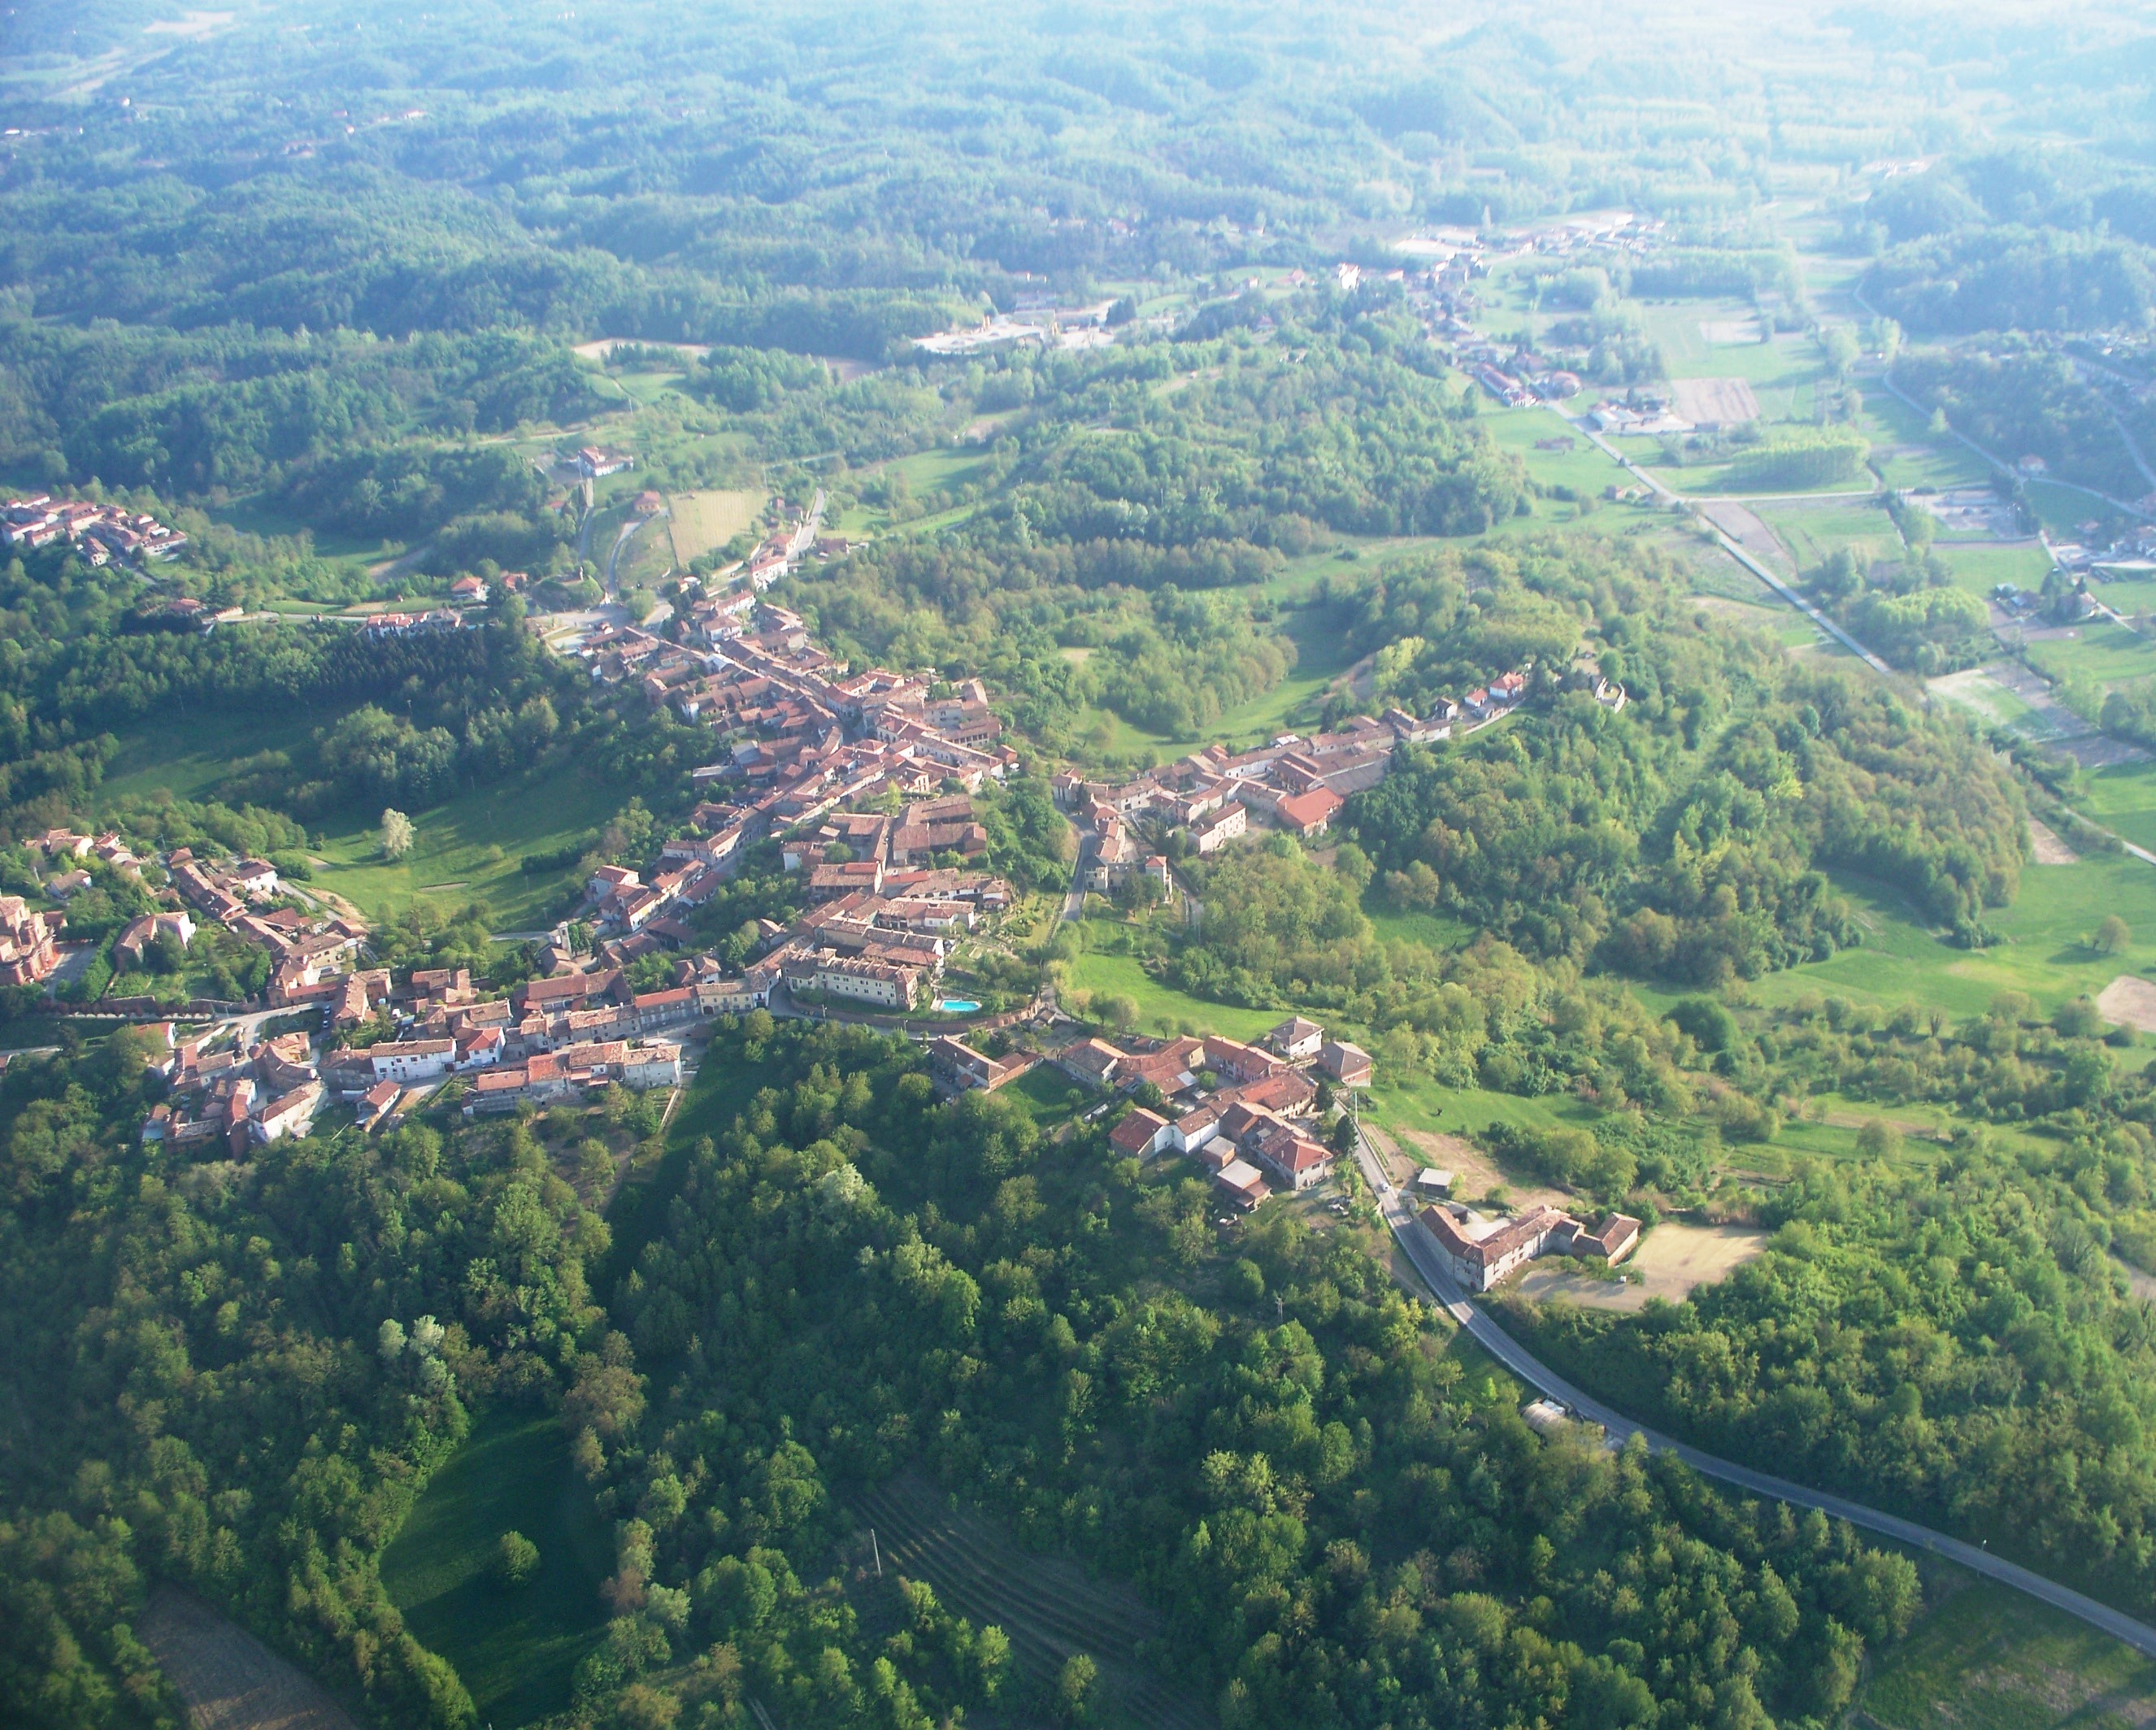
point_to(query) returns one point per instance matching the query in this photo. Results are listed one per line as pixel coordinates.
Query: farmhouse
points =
(1480, 1259)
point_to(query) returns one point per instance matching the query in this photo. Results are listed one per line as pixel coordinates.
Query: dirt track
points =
(1673, 1259)
(229, 1680)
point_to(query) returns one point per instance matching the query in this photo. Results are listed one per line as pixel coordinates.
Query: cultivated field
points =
(229, 1680)
(1671, 1260)
(703, 521)
(1718, 401)
(1050, 1606)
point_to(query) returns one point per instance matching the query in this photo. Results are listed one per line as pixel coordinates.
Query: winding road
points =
(1421, 1251)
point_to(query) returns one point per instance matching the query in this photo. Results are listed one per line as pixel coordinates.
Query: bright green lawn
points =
(514, 1650)
(1902, 962)
(2127, 594)
(1046, 1092)
(1993, 1659)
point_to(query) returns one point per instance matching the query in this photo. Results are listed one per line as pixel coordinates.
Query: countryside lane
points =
(1422, 1253)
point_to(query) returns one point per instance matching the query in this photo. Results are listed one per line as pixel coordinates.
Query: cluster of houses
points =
(104, 532)
(551, 1040)
(1294, 783)
(889, 895)
(1244, 1112)
(862, 765)
(237, 1098)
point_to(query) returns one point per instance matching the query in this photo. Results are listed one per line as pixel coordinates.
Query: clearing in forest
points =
(1049, 1606)
(703, 521)
(1671, 1261)
(229, 1680)
(1714, 402)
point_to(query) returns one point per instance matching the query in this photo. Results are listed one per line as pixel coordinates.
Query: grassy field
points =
(515, 1649)
(182, 755)
(1814, 532)
(703, 521)
(2123, 798)
(1418, 1102)
(1320, 657)
(1583, 467)
(1781, 372)
(470, 849)
(2109, 653)
(1161, 1009)
(1904, 451)
(1981, 566)
(1989, 1658)
(1901, 962)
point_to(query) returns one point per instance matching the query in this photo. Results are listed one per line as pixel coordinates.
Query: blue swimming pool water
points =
(958, 1005)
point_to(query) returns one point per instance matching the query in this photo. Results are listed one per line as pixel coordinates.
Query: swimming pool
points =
(958, 1005)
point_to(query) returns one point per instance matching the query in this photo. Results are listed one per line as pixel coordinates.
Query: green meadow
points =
(2043, 951)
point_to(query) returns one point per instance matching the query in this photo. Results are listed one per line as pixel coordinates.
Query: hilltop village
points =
(864, 788)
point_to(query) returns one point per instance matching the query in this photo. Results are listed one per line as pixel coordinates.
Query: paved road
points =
(1729, 544)
(1421, 1250)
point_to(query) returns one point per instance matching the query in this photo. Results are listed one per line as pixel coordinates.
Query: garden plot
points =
(1714, 402)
